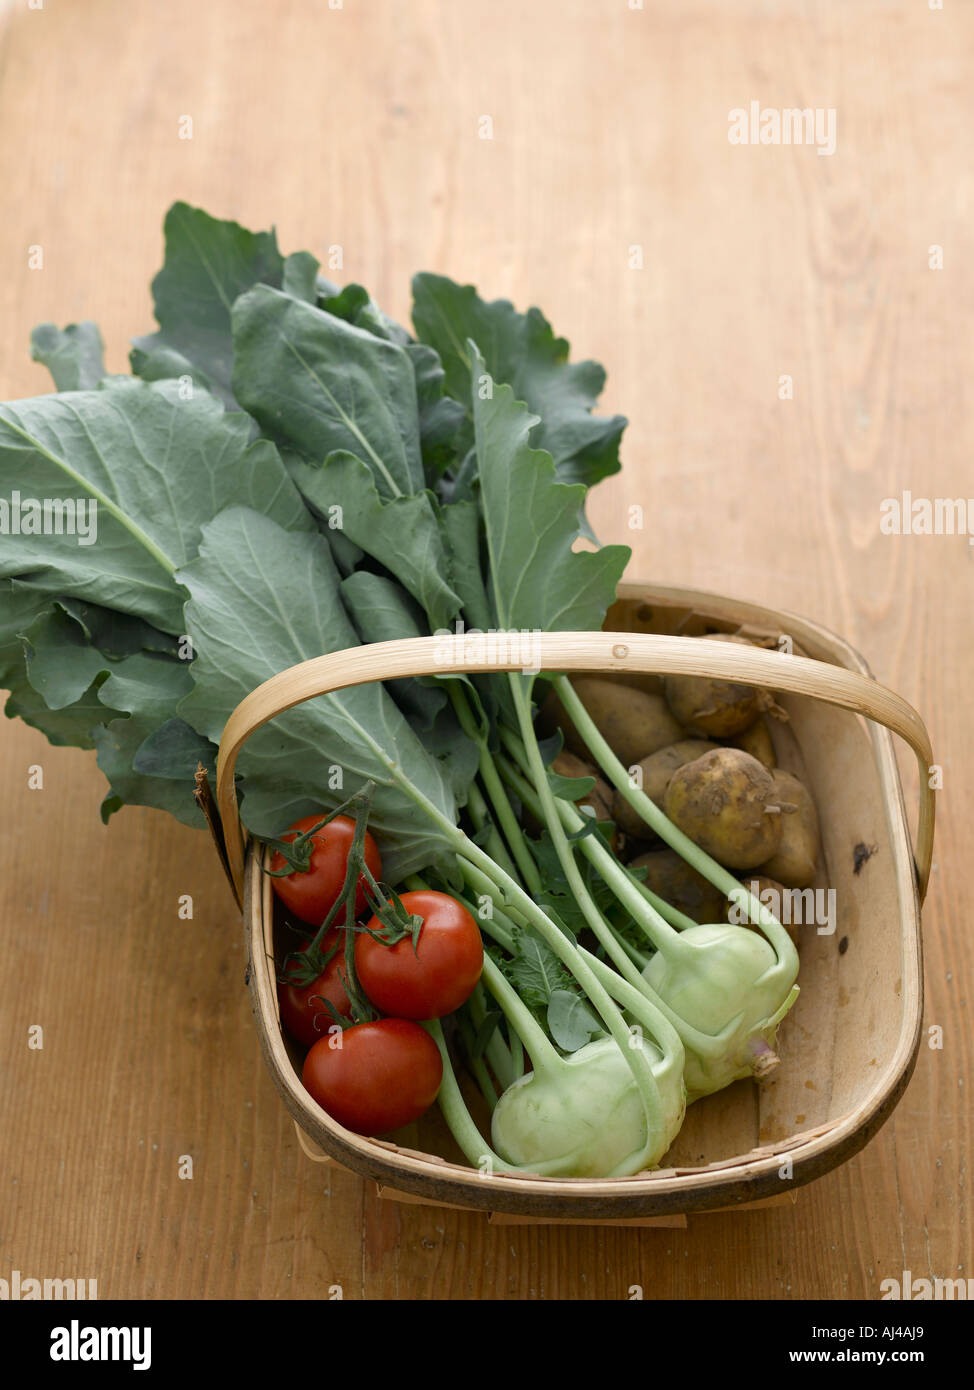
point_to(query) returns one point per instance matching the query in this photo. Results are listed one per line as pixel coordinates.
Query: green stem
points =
(571, 818)
(458, 1118)
(541, 1050)
(496, 1050)
(658, 821)
(476, 1064)
(481, 817)
(495, 790)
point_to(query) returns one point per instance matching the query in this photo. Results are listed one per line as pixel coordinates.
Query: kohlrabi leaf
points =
(263, 599)
(61, 660)
(537, 581)
(402, 533)
(73, 355)
(443, 424)
(119, 744)
(326, 385)
(150, 757)
(462, 532)
(208, 263)
(536, 972)
(522, 351)
(129, 473)
(382, 611)
(355, 305)
(571, 1022)
(74, 724)
(300, 278)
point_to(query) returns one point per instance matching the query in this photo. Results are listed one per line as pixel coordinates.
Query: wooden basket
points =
(849, 1045)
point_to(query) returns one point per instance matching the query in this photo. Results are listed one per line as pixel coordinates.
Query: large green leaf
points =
(73, 355)
(150, 757)
(326, 385)
(75, 724)
(208, 263)
(403, 533)
(537, 581)
(153, 465)
(261, 601)
(522, 351)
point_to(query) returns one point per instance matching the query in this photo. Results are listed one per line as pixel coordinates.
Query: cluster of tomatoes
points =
(373, 1077)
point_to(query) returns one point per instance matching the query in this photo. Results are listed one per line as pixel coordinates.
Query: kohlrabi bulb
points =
(731, 976)
(585, 1118)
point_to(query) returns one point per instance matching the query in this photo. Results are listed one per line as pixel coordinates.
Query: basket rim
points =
(742, 1179)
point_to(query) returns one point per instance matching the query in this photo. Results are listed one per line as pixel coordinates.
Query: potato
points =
(682, 887)
(793, 862)
(656, 771)
(719, 800)
(714, 708)
(633, 723)
(757, 741)
(770, 894)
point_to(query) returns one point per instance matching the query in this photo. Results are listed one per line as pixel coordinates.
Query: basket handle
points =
(605, 652)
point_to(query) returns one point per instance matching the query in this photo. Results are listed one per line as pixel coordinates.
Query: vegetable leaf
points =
(150, 467)
(327, 385)
(570, 1020)
(208, 264)
(536, 972)
(403, 533)
(522, 351)
(73, 355)
(263, 599)
(538, 582)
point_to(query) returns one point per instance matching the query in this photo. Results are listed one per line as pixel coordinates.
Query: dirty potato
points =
(714, 708)
(720, 801)
(672, 879)
(793, 862)
(655, 773)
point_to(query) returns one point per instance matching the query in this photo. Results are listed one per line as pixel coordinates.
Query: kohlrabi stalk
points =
(721, 878)
(723, 988)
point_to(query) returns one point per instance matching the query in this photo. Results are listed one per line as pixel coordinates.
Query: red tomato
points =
(302, 1012)
(435, 978)
(374, 1077)
(311, 895)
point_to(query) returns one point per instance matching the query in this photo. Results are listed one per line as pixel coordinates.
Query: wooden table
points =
(360, 127)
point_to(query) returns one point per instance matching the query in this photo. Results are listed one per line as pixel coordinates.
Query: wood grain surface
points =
(359, 127)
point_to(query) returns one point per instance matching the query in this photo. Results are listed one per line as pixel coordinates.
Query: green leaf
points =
(326, 385)
(355, 305)
(402, 533)
(382, 611)
(148, 468)
(73, 355)
(441, 418)
(118, 745)
(61, 661)
(522, 351)
(537, 581)
(300, 277)
(208, 264)
(73, 725)
(462, 532)
(263, 599)
(570, 1020)
(174, 751)
(150, 757)
(536, 972)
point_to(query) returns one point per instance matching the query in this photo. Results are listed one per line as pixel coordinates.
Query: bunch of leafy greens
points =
(288, 472)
